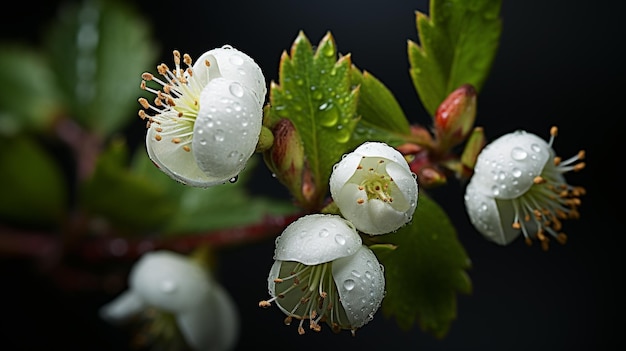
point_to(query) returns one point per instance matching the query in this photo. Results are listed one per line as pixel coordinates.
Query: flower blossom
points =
(519, 186)
(374, 188)
(322, 272)
(205, 121)
(172, 283)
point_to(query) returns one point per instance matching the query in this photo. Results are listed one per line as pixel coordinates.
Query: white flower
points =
(323, 272)
(374, 188)
(518, 187)
(204, 312)
(205, 121)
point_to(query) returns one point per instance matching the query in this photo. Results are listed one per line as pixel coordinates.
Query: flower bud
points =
(286, 156)
(518, 187)
(374, 188)
(455, 116)
(322, 272)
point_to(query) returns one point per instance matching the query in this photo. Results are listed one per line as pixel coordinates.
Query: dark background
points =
(559, 63)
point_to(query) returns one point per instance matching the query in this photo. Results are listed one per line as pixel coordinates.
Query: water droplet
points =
(168, 286)
(236, 89)
(202, 141)
(339, 239)
(356, 273)
(328, 115)
(233, 154)
(323, 233)
(495, 190)
(329, 50)
(348, 284)
(518, 153)
(219, 135)
(501, 175)
(342, 135)
(317, 95)
(516, 172)
(535, 147)
(234, 179)
(227, 47)
(236, 60)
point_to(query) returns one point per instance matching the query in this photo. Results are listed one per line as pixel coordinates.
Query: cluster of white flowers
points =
(322, 271)
(205, 121)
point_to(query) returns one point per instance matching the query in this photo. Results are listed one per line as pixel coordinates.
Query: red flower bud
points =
(455, 117)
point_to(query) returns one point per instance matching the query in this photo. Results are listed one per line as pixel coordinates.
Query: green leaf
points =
(199, 210)
(458, 44)
(129, 201)
(34, 190)
(99, 49)
(425, 271)
(377, 105)
(31, 101)
(316, 94)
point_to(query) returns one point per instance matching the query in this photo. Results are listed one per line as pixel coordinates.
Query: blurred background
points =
(559, 63)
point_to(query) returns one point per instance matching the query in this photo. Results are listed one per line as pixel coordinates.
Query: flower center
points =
(176, 105)
(373, 178)
(549, 201)
(308, 292)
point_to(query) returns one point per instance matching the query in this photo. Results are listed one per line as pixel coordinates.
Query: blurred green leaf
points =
(130, 201)
(30, 100)
(98, 50)
(199, 210)
(458, 44)
(377, 105)
(425, 271)
(315, 93)
(34, 190)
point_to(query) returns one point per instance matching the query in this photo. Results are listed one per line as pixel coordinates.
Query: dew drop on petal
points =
(518, 154)
(348, 284)
(219, 135)
(340, 239)
(323, 233)
(495, 190)
(535, 147)
(516, 172)
(236, 89)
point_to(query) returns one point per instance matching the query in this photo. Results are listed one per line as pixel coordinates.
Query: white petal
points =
(227, 128)
(169, 281)
(484, 213)
(317, 238)
(177, 163)
(232, 64)
(505, 168)
(213, 325)
(377, 149)
(342, 172)
(122, 308)
(360, 281)
(283, 269)
(406, 183)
